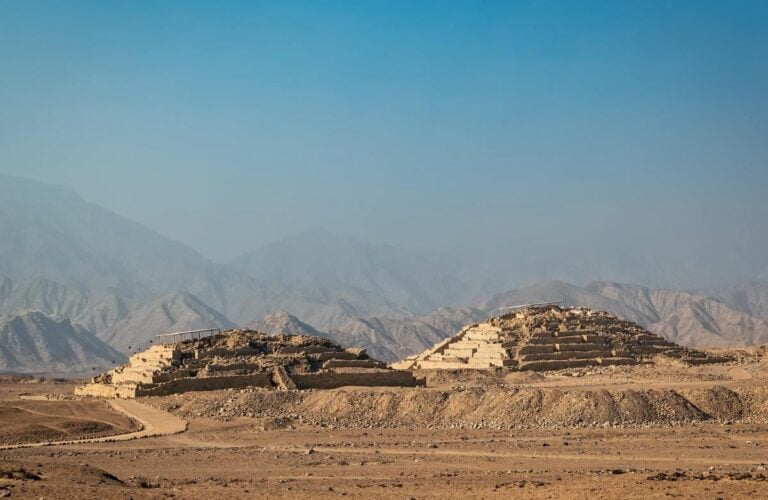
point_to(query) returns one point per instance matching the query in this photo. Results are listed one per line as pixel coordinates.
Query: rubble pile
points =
(243, 358)
(550, 337)
(498, 406)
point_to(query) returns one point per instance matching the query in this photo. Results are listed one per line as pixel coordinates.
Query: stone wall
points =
(329, 380)
(122, 391)
(205, 384)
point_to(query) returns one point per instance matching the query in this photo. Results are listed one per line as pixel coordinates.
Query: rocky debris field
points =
(474, 407)
(628, 396)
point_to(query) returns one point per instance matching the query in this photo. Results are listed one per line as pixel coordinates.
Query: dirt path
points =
(154, 422)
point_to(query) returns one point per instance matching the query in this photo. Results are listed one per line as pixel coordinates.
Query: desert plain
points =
(607, 432)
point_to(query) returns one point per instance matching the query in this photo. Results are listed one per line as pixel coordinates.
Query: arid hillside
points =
(174, 312)
(36, 343)
(124, 283)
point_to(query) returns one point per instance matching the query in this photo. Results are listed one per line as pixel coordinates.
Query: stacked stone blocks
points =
(238, 359)
(550, 338)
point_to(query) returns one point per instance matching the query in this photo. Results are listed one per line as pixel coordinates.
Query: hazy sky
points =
(620, 125)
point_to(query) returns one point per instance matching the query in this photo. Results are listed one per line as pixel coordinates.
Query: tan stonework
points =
(243, 358)
(550, 338)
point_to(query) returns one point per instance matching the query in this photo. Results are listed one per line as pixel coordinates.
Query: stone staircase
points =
(478, 346)
(151, 366)
(242, 358)
(157, 365)
(551, 338)
(282, 380)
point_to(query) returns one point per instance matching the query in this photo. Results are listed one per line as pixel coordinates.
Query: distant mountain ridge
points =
(94, 312)
(350, 277)
(283, 323)
(391, 339)
(36, 343)
(751, 298)
(48, 233)
(683, 317)
(66, 258)
(326, 280)
(51, 233)
(179, 311)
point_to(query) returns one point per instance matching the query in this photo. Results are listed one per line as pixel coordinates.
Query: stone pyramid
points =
(549, 337)
(243, 358)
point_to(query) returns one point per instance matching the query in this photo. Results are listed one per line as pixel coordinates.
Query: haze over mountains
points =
(63, 255)
(173, 312)
(35, 343)
(683, 317)
(120, 282)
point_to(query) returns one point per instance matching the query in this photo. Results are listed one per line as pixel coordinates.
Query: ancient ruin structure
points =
(243, 358)
(549, 337)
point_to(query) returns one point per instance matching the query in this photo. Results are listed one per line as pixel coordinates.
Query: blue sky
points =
(422, 124)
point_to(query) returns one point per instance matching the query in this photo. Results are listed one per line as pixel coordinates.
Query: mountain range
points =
(50, 235)
(36, 343)
(683, 317)
(119, 284)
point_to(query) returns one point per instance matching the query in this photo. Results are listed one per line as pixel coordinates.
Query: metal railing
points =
(176, 337)
(559, 303)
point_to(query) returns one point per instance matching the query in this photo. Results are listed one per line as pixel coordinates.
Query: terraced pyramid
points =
(551, 338)
(243, 358)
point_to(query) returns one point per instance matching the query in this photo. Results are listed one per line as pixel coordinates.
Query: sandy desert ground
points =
(26, 419)
(321, 444)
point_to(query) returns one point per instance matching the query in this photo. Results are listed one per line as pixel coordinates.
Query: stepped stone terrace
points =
(550, 337)
(243, 358)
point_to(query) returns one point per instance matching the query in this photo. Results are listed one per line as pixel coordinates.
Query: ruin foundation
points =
(549, 337)
(243, 358)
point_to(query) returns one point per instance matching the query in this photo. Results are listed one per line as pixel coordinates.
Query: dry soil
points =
(719, 452)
